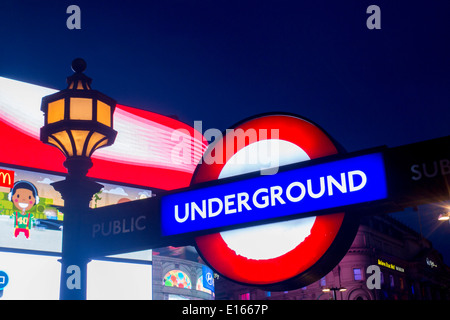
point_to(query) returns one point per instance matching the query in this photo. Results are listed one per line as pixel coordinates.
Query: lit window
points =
(177, 278)
(391, 280)
(357, 274)
(323, 282)
(402, 283)
(244, 296)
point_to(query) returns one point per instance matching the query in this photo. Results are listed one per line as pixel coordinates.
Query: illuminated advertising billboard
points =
(37, 277)
(44, 220)
(148, 150)
(32, 228)
(207, 278)
(31, 238)
(144, 159)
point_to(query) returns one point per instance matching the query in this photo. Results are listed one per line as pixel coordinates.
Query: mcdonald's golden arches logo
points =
(6, 178)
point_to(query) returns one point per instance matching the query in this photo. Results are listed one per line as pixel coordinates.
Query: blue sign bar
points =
(317, 187)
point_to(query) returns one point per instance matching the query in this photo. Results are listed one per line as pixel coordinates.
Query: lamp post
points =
(78, 121)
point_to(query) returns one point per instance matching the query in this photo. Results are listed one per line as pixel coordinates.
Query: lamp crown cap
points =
(78, 80)
(79, 65)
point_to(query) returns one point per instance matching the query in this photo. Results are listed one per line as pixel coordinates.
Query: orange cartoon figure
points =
(24, 196)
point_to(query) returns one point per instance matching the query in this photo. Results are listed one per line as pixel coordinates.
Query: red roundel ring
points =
(329, 237)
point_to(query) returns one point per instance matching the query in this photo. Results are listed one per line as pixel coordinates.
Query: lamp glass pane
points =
(55, 111)
(79, 136)
(64, 139)
(80, 109)
(54, 142)
(103, 143)
(96, 137)
(103, 113)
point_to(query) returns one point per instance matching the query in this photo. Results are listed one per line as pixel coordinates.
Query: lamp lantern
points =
(78, 120)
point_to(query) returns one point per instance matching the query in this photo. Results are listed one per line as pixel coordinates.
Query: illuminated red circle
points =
(215, 251)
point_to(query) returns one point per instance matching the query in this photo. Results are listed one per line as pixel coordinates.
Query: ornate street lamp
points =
(78, 121)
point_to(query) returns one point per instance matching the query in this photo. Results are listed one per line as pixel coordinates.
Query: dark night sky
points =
(222, 61)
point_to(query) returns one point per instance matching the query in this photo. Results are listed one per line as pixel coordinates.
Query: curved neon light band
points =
(144, 152)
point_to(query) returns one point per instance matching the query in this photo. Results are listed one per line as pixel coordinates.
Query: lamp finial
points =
(79, 65)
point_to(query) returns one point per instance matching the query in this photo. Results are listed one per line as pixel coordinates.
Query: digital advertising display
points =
(40, 226)
(207, 278)
(157, 151)
(37, 227)
(31, 239)
(37, 277)
(32, 212)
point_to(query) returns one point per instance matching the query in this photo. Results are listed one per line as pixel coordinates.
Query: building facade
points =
(410, 269)
(178, 276)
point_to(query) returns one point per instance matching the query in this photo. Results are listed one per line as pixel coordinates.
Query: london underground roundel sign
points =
(281, 255)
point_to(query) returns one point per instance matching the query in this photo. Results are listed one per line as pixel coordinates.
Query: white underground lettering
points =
(276, 195)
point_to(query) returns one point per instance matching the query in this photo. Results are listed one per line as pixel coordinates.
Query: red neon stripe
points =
(18, 148)
(164, 120)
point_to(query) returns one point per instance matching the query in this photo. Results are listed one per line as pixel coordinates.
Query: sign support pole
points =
(77, 191)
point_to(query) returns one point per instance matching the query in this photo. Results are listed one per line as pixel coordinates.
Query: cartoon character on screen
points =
(24, 196)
